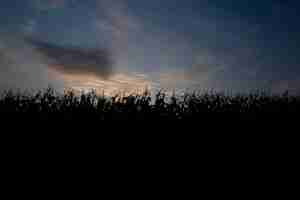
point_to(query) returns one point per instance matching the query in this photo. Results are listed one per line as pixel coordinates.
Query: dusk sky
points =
(116, 45)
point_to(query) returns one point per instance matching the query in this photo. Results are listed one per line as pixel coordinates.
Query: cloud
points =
(117, 27)
(71, 60)
(158, 51)
(27, 65)
(22, 67)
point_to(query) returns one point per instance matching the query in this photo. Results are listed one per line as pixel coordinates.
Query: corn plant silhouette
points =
(49, 104)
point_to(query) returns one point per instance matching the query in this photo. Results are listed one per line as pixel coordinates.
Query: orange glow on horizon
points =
(119, 83)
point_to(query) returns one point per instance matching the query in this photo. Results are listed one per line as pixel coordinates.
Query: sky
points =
(116, 45)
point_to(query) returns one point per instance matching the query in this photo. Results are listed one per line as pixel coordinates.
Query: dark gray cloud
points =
(73, 60)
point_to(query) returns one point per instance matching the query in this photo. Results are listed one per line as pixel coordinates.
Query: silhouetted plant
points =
(70, 105)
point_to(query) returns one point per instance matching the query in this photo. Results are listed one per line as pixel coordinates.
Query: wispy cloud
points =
(116, 24)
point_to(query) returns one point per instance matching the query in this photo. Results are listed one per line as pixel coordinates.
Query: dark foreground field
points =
(49, 105)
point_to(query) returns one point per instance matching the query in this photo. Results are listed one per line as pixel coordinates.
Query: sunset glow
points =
(118, 83)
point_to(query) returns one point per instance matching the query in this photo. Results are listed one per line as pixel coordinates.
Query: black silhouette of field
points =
(50, 105)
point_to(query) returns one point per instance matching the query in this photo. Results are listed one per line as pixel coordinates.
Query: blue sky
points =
(227, 45)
